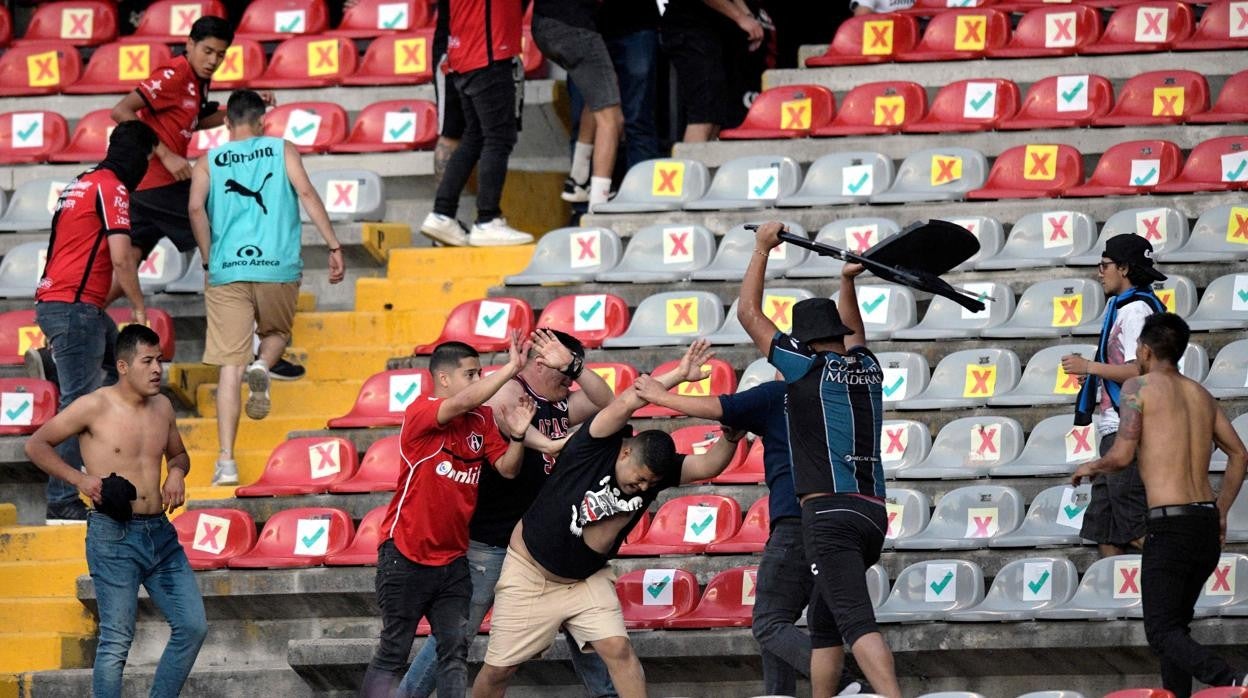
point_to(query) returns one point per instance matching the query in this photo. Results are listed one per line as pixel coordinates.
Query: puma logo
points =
(232, 186)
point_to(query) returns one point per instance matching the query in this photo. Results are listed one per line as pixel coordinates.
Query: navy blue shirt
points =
(760, 410)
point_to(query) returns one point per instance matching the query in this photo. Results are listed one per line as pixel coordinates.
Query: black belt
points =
(1197, 509)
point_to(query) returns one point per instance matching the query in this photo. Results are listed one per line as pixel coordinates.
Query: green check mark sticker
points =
(300, 131)
(394, 21)
(309, 541)
(1073, 511)
(591, 311)
(1243, 295)
(404, 396)
(397, 133)
(1230, 176)
(489, 320)
(762, 188)
(1145, 178)
(1037, 585)
(656, 589)
(699, 528)
(853, 188)
(29, 131)
(939, 587)
(1069, 96)
(870, 306)
(294, 24)
(16, 412)
(890, 389)
(983, 100)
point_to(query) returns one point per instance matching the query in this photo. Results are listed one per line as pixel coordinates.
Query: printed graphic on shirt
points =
(233, 187)
(600, 504)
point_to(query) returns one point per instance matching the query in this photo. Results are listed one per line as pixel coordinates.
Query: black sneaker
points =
(284, 370)
(74, 512)
(575, 192)
(39, 364)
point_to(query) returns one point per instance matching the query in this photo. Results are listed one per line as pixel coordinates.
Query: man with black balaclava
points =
(89, 266)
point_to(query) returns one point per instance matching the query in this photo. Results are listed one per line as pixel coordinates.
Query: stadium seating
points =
(1062, 101)
(1221, 594)
(193, 280)
(1164, 228)
(485, 325)
(1156, 98)
(905, 374)
(299, 537)
(119, 67)
(371, 18)
(853, 234)
(590, 317)
(314, 127)
(1158, 25)
(393, 125)
(275, 20)
(1217, 462)
(397, 59)
(363, 547)
(968, 447)
(1194, 363)
(886, 308)
(618, 376)
(909, 512)
(309, 61)
(1222, 692)
(38, 69)
(791, 111)
(1223, 306)
(384, 397)
(1222, 26)
(936, 174)
(170, 21)
(378, 471)
(32, 204)
(1054, 308)
(671, 318)
(721, 381)
(349, 195)
(904, 443)
(572, 255)
(752, 535)
(1228, 375)
(650, 597)
(162, 266)
(960, 34)
(877, 108)
(750, 182)
(1053, 519)
(758, 372)
(212, 537)
(1140, 693)
(987, 230)
(968, 105)
(1218, 164)
(90, 140)
(777, 305)
(727, 602)
(1055, 447)
(685, 525)
(244, 62)
(749, 471)
(653, 185)
(31, 136)
(967, 378)
(841, 178)
(307, 465)
(1220, 235)
(76, 23)
(1021, 588)
(737, 246)
(1044, 382)
(869, 39)
(1032, 171)
(1044, 239)
(158, 320)
(21, 269)
(25, 404)
(18, 332)
(700, 438)
(1051, 31)
(930, 590)
(661, 254)
(1109, 588)
(1232, 103)
(6, 27)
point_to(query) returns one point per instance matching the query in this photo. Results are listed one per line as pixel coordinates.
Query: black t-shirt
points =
(583, 490)
(694, 15)
(574, 13)
(623, 17)
(501, 502)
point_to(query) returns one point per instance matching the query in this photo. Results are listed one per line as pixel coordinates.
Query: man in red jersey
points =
(89, 245)
(422, 565)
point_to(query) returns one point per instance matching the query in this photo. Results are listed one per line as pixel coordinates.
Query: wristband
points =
(574, 369)
(205, 266)
(335, 249)
(517, 438)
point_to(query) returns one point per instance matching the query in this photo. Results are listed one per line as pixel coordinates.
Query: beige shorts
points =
(529, 610)
(242, 309)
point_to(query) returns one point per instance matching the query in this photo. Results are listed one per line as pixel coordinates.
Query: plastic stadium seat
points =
(244, 62)
(909, 512)
(349, 195)
(398, 59)
(1033, 171)
(967, 517)
(274, 20)
(378, 471)
(1194, 363)
(1022, 587)
(988, 231)
(384, 397)
(618, 376)
(1228, 375)
(1054, 448)
(90, 140)
(1224, 305)
(212, 537)
(394, 125)
(37, 69)
(363, 548)
(1156, 98)
(1237, 520)
(6, 27)
(886, 308)
(685, 525)
(309, 61)
(1232, 103)
(370, 18)
(727, 603)
(33, 136)
(869, 39)
(968, 105)
(1052, 31)
(967, 378)
(1223, 25)
(486, 324)
(18, 332)
(936, 174)
(25, 404)
(1222, 595)
(750, 182)
(758, 372)
(170, 21)
(650, 597)
(590, 317)
(723, 380)
(192, 280)
(300, 537)
(314, 127)
(671, 318)
(777, 304)
(1053, 519)
(877, 108)
(968, 447)
(904, 443)
(119, 67)
(853, 234)
(749, 471)
(158, 320)
(658, 185)
(842, 178)
(930, 590)
(905, 374)
(21, 269)
(1164, 228)
(73, 23)
(1044, 239)
(736, 248)
(791, 111)
(1044, 382)
(1218, 164)
(32, 204)
(753, 534)
(1109, 588)
(1143, 27)
(162, 266)
(1222, 692)
(307, 465)
(1062, 101)
(1220, 235)
(571, 255)
(1053, 308)
(1140, 693)
(960, 35)
(660, 254)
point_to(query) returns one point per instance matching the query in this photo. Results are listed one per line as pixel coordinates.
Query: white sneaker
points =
(495, 233)
(575, 192)
(226, 473)
(258, 403)
(444, 229)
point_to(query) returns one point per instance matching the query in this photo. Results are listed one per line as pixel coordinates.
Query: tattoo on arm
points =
(1131, 409)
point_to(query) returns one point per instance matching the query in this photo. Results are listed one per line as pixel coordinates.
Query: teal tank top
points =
(254, 213)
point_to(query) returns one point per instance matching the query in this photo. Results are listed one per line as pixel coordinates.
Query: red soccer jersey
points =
(174, 99)
(482, 32)
(437, 489)
(80, 268)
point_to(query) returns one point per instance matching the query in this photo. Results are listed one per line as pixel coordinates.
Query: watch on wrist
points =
(573, 370)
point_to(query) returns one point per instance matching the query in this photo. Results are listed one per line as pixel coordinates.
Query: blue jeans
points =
(784, 587)
(485, 564)
(120, 557)
(81, 337)
(635, 69)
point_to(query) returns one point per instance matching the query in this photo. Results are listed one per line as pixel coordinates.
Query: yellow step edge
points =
(209, 492)
(250, 465)
(40, 579)
(8, 514)
(348, 327)
(25, 543)
(11, 686)
(294, 398)
(44, 651)
(200, 434)
(480, 261)
(353, 363)
(379, 239)
(413, 294)
(62, 615)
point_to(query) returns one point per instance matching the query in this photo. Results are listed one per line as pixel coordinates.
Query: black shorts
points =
(583, 53)
(698, 56)
(844, 535)
(160, 212)
(1118, 510)
(450, 111)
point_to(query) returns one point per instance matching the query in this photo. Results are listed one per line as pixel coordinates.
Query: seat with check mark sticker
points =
(485, 325)
(930, 590)
(1053, 519)
(300, 537)
(1021, 588)
(686, 525)
(275, 20)
(32, 136)
(650, 597)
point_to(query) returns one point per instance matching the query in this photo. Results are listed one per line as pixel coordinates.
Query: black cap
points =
(1133, 251)
(815, 319)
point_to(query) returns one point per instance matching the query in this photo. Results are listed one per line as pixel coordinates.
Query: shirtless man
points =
(125, 429)
(1186, 525)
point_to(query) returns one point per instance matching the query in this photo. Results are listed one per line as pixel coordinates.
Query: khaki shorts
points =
(242, 309)
(529, 610)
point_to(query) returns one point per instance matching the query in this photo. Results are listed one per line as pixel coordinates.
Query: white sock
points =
(582, 158)
(599, 190)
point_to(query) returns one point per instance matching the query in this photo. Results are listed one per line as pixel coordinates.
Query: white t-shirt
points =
(1123, 338)
(882, 5)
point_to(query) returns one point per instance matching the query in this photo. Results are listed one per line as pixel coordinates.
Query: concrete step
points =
(306, 397)
(208, 493)
(349, 363)
(347, 327)
(250, 465)
(41, 543)
(237, 679)
(200, 433)
(45, 578)
(36, 651)
(439, 262)
(419, 294)
(46, 615)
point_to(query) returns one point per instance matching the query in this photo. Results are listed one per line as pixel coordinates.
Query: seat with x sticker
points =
(1165, 229)
(967, 518)
(1032, 171)
(367, 19)
(18, 332)
(486, 324)
(1052, 31)
(650, 597)
(363, 548)
(158, 320)
(1044, 239)
(299, 537)
(392, 125)
(721, 381)
(658, 185)
(967, 378)
(930, 590)
(1231, 105)
(1223, 305)
(868, 39)
(1157, 98)
(1218, 164)
(968, 447)
(396, 59)
(1044, 382)
(1054, 308)
(192, 279)
(31, 136)
(275, 20)
(1219, 235)
(727, 602)
(842, 178)
(671, 318)
(162, 266)
(876, 109)
(1157, 25)
(26, 404)
(789, 111)
(854, 234)
(1062, 101)
(960, 34)
(1021, 588)
(32, 204)
(572, 255)
(885, 308)
(170, 21)
(1055, 447)
(737, 246)
(1109, 588)
(590, 317)
(78, 23)
(754, 531)
(38, 69)
(313, 127)
(119, 67)
(1053, 519)
(243, 62)
(89, 142)
(685, 525)
(658, 254)
(1228, 374)
(778, 305)
(378, 471)
(904, 443)
(987, 230)
(306, 465)
(750, 182)
(309, 61)
(964, 106)
(212, 537)
(936, 174)
(909, 512)
(349, 195)
(1223, 25)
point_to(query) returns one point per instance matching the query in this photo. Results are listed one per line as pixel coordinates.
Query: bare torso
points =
(1176, 439)
(128, 440)
(599, 536)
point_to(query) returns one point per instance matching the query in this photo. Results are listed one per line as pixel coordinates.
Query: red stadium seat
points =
(384, 397)
(715, 518)
(314, 127)
(960, 35)
(398, 59)
(531, 56)
(753, 534)
(1156, 98)
(25, 404)
(699, 438)
(394, 125)
(618, 376)
(1062, 101)
(37, 70)
(213, 537)
(1060, 30)
(73, 23)
(363, 548)
(309, 61)
(157, 319)
(877, 108)
(378, 472)
(869, 39)
(1158, 25)
(6, 27)
(18, 332)
(486, 325)
(1224, 25)
(1232, 104)
(90, 140)
(301, 537)
(31, 136)
(927, 8)
(747, 471)
(590, 318)
(369, 18)
(639, 531)
(790, 111)
(307, 465)
(243, 62)
(119, 67)
(1134, 167)
(1140, 693)
(1032, 172)
(274, 20)
(723, 379)
(968, 105)
(650, 597)
(169, 21)
(1218, 164)
(727, 603)
(1222, 692)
